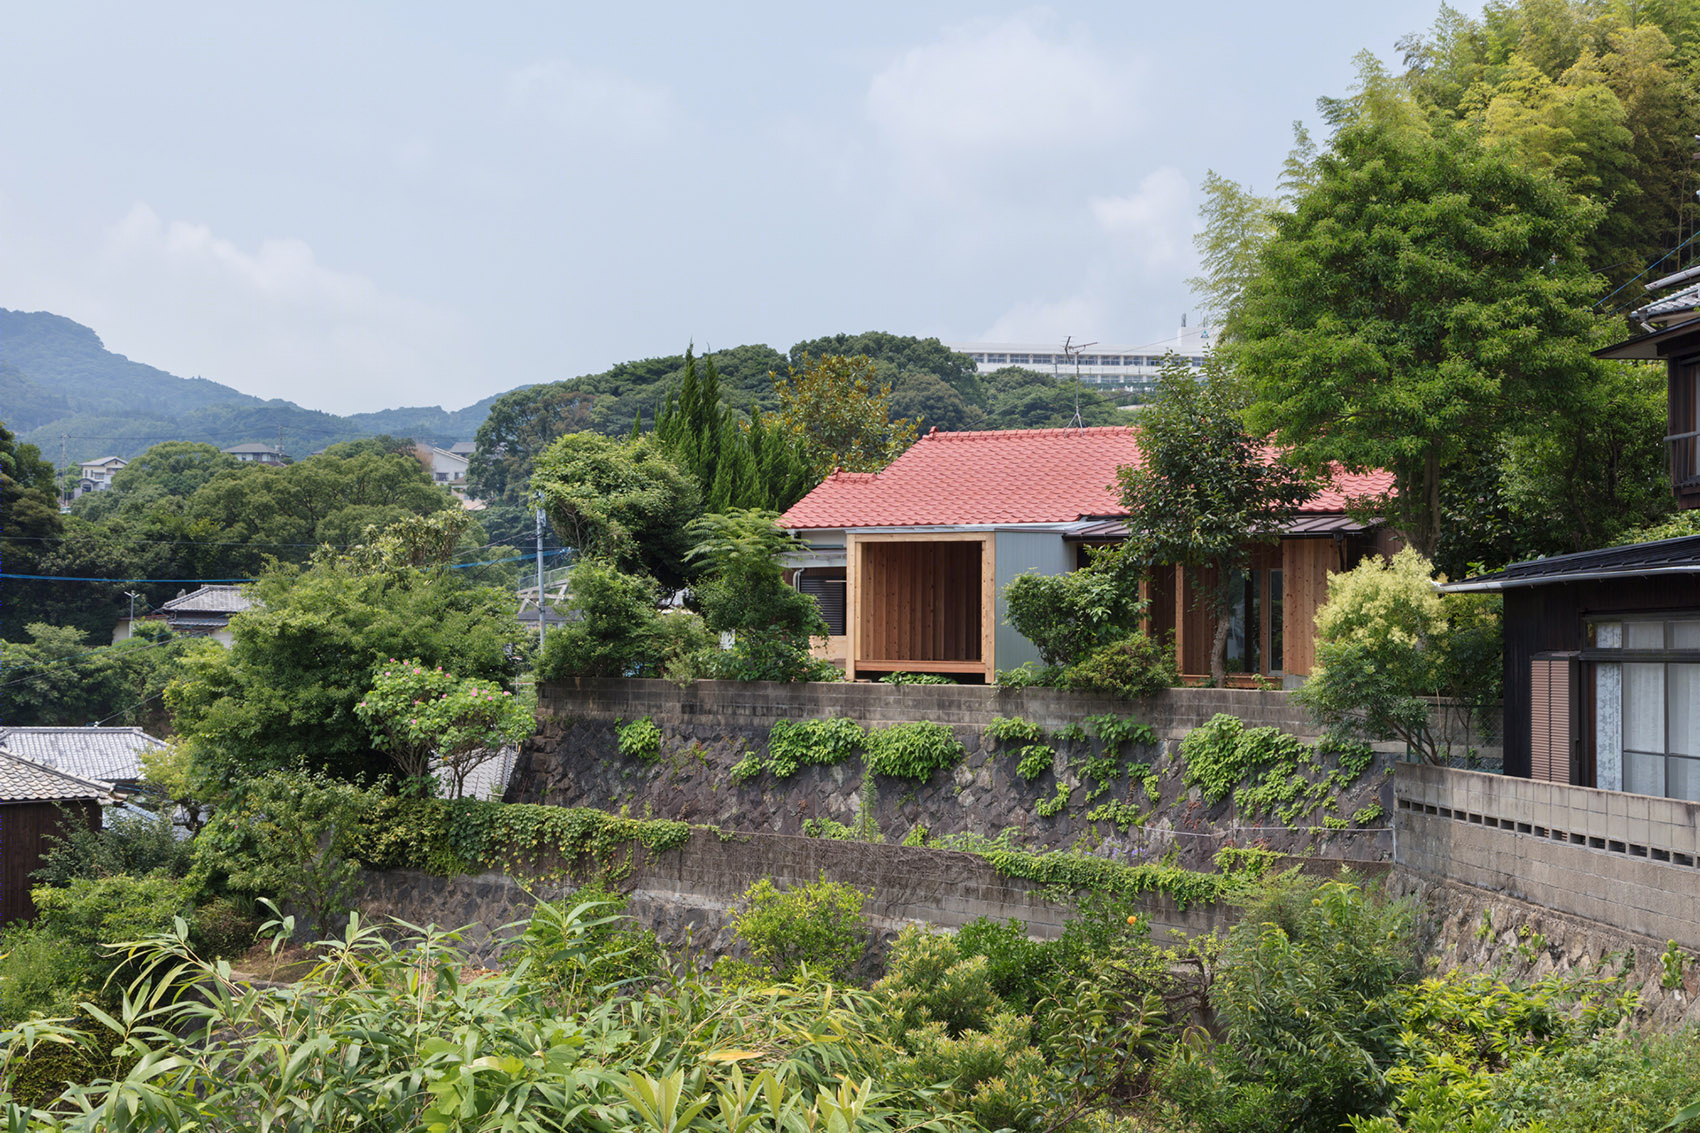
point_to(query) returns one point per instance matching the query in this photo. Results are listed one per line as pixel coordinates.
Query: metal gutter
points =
(1467, 587)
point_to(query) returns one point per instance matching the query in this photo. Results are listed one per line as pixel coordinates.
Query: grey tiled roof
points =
(209, 600)
(486, 781)
(105, 754)
(1676, 302)
(24, 781)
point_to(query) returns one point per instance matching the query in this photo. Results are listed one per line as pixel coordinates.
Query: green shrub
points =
(794, 743)
(1113, 731)
(1067, 616)
(1036, 759)
(1386, 641)
(641, 739)
(818, 924)
(1019, 969)
(287, 836)
(42, 972)
(91, 913)
(225, 926)
(929, 980)
(127, 843)
(916, 679)
(614, 628)
(1053, 806)
(912, 751)
(585, 944)
(39, 1077)
(746, 768)
(1070, 734)
(1029, 675)
(995, 1075)
(1014, 729)
(1132, 668)
(1308, 993)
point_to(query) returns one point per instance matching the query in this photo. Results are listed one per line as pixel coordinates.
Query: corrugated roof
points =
(1667, 556)
(1012, 476)
(106, 754)
(209, 600)
(1321, 524)
(25, 781)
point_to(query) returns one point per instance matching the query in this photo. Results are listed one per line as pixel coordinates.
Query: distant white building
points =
(1101, 366)
(96, 475)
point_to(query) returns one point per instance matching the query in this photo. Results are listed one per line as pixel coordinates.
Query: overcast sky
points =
(358, 206)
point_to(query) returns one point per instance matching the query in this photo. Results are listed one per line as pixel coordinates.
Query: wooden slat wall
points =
(1305, 564)
(24, 830)
(920, 601)
(1552, 693)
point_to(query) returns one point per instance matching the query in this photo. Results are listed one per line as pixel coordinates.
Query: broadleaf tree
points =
(1207, 489)
(1424, 296)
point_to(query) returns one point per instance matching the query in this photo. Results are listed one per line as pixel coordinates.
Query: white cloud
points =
(1004, 86)
(1152, 227)
(1037, 320)
(274, 319)
(588, 103)
(1135, 249)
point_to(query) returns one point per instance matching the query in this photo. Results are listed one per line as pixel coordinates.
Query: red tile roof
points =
(1005, 477)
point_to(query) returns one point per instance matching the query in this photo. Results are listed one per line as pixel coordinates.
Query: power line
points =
(231, 581)
(132, 708)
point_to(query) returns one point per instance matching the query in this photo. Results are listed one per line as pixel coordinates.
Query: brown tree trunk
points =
(1219, 652)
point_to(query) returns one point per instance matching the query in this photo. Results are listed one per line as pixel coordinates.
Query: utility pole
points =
(132, 595)
(542, 622)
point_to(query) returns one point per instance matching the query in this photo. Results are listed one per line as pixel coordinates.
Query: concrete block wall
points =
(1172, 713)
(687, 894)
(1625, 861)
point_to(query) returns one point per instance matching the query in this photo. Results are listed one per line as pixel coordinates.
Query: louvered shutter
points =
(1552, 718)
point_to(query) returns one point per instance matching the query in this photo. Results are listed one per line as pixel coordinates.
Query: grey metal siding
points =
(1017, 553)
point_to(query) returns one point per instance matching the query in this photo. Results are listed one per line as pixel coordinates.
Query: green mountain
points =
(58, 380)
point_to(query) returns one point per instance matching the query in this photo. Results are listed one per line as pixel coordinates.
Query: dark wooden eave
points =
(1637, 560)
(1652, 347)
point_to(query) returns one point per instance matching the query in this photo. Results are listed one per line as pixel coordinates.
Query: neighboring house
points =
(1602, 648)
(106, 755)
(909, 565)
(259, 454)
(36, 804)
(205, 612)
(96, 475)
(448, 467)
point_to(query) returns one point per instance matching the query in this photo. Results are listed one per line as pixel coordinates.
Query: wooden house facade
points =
(909, 565)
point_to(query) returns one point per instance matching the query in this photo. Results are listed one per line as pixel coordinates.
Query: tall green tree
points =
(520, 426)
(285, 691)
(1206, 489)
(1426, 295)
(624, 502)
(839, 411)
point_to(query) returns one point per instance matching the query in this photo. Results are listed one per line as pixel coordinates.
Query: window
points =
(1647, 705)
(1244, 624)
(826, 586)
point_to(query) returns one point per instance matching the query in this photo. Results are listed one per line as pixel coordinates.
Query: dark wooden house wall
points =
(24, 832)
(1549, 619)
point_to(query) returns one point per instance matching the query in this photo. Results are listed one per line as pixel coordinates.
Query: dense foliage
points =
(1387, 642)
(1206, 489)
(300, 661)
(427, 718)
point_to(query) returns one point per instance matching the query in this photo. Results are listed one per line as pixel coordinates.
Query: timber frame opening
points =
(921, 603)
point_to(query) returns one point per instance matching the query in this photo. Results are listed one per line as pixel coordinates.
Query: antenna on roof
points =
(1072, 350)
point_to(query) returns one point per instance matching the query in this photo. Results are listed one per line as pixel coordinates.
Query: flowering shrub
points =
(417, 713)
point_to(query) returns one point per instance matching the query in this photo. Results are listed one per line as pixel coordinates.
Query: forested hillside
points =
(58, 379)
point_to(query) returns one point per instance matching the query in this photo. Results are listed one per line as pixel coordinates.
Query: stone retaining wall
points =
(707, 727)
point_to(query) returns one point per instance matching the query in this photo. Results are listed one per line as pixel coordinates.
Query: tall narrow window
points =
(1277, 656)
